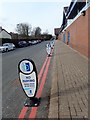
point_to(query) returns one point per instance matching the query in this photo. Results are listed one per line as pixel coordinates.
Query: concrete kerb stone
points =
(53, 108)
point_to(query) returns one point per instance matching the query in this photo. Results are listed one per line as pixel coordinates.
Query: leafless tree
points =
(23, 29)
(33, 31)
(38, 31)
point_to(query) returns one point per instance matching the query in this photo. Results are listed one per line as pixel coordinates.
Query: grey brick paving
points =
(69, 92)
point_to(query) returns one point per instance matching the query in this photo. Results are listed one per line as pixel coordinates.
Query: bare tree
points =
(23, 29)
(38, 31)
(33, 31)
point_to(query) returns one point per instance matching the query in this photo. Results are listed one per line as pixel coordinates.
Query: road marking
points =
(24, 109)
(42, 69)
(34, 109)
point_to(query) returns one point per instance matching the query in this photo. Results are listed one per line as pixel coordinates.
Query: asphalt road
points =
(13, 96)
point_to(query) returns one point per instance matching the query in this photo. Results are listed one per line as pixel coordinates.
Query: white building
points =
(4, 34)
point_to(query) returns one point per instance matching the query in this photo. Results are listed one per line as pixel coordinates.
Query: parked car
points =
(34, 42)
(22, 44)
(14, 47)
(30, 42)
(10, 46)
(39, 41)
(3, 48)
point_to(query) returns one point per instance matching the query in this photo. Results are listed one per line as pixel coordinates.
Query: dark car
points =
(22, 44)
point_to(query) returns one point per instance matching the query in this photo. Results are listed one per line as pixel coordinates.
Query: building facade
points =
(75, 30)
(4, 34)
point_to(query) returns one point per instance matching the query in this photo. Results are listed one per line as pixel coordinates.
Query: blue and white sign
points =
(28, 77)
(26, 67)
(48, 48)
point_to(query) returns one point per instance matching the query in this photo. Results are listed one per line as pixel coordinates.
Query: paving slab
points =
(69, 91)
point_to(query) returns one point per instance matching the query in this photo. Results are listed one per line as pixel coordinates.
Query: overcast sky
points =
(47, 14)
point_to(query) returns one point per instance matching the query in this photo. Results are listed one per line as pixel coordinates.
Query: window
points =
(68, 37)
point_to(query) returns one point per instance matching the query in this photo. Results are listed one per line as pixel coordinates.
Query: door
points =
(68, 37)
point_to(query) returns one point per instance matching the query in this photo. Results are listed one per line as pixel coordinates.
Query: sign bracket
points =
(32, 102)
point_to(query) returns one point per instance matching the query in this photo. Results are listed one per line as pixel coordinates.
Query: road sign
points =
(28, 79)
(48, 49)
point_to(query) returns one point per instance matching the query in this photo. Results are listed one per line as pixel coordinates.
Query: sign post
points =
(29, 81)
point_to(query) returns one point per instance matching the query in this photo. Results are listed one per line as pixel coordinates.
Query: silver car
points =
(3, 48)
(11, 46)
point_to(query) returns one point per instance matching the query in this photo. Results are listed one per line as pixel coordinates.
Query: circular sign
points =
(26, 67)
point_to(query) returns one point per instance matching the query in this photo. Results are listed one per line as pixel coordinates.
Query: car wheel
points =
(7, 50)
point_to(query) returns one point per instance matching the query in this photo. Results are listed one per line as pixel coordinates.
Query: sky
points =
(47, 14)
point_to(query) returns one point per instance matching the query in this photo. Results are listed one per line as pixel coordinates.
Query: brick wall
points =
(79, 33)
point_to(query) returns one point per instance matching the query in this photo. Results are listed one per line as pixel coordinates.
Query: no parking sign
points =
(28, 78)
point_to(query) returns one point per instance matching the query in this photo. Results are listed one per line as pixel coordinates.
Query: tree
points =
(33, 31)
(38, 31)
(23, 29)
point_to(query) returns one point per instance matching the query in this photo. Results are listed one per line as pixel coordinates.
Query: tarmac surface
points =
(69, 90)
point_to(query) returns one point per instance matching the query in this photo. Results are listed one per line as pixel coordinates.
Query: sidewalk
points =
(69, 92)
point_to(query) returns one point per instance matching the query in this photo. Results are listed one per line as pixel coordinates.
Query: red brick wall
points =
(79, 33)
(59, 37)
